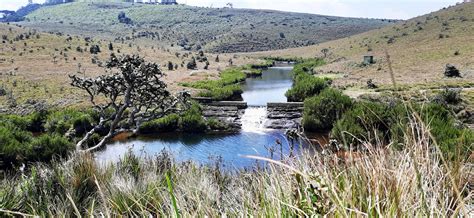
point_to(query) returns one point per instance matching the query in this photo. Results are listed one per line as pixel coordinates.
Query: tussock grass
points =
(412, 182)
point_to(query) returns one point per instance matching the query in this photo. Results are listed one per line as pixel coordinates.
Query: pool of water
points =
(271, 87)
(232, 149)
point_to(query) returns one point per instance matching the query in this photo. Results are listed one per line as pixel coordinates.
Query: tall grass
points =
(380, 182)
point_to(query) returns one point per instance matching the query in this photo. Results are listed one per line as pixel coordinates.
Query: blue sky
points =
(398, 9)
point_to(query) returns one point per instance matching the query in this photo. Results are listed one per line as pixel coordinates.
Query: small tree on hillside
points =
(325, 52)
(192, 64)
(95, 49)
(132, 95)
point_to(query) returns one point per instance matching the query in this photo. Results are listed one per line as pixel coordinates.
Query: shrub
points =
(32, 122)
(46, 147)
(448, 96)
(364, 121)
(166, 124)
(13, 144)
(454, 142)
(320, 112)
(305, 84)
(191, 64)
(62, 121)
(122, 17)
(192, 120)
(95, 49)
(376, 122)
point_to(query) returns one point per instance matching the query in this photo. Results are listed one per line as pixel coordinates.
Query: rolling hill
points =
(218, 30)
(34, 66)
(419, 50)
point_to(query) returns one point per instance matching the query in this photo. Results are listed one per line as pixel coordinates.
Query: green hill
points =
(213, 29)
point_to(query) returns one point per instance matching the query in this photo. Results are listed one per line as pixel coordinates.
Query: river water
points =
(230, 149)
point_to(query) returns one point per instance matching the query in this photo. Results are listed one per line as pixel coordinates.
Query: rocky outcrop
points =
(284, 115)
(229, 116)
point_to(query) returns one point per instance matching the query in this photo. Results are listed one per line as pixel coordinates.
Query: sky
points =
(393, 9)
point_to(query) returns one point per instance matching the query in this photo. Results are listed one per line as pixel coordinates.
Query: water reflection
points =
(199, 148)
(271, 87)
(231, 149)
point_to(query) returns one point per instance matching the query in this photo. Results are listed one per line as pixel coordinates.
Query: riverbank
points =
(329, 184)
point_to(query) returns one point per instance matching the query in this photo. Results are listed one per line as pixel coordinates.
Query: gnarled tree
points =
(126, 98)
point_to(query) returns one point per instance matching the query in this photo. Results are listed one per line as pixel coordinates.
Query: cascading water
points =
(253, 119)
(254, 139)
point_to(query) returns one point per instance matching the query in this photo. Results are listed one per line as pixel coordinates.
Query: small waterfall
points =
(254, 119)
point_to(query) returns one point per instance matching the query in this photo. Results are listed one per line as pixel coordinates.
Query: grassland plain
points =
(36, 65)
(419, 50)
(214, 29)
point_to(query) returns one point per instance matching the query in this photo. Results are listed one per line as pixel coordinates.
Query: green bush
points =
(305, 84)
(363, 122)
(448, 96)
(454, 141)
(321, 111)
(45, 147)
(32, 122)
(166, 124)
(382, 123)
(13, 144)
(18, 146)
(192, 120)
(61, 121)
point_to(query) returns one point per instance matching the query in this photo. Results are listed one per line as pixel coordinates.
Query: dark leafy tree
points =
(111, 46)
(170, 65)
(95, 49)
(217, 58)
(130, 96)
(122, 17)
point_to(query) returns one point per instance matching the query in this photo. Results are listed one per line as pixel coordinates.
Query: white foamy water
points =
(254, 119)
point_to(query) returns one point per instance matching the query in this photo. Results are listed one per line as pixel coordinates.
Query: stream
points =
(229, 149)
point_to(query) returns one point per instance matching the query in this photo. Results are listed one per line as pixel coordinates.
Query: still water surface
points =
(230, 149)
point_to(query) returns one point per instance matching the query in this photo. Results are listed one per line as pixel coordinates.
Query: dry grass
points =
(418, 53)
(37, 76)
(413, 182)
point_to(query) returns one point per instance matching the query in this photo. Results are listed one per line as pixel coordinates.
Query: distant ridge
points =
(193, 28)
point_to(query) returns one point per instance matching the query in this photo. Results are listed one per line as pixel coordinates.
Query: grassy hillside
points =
(34, 66)
(215, 30)
(419, 48)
